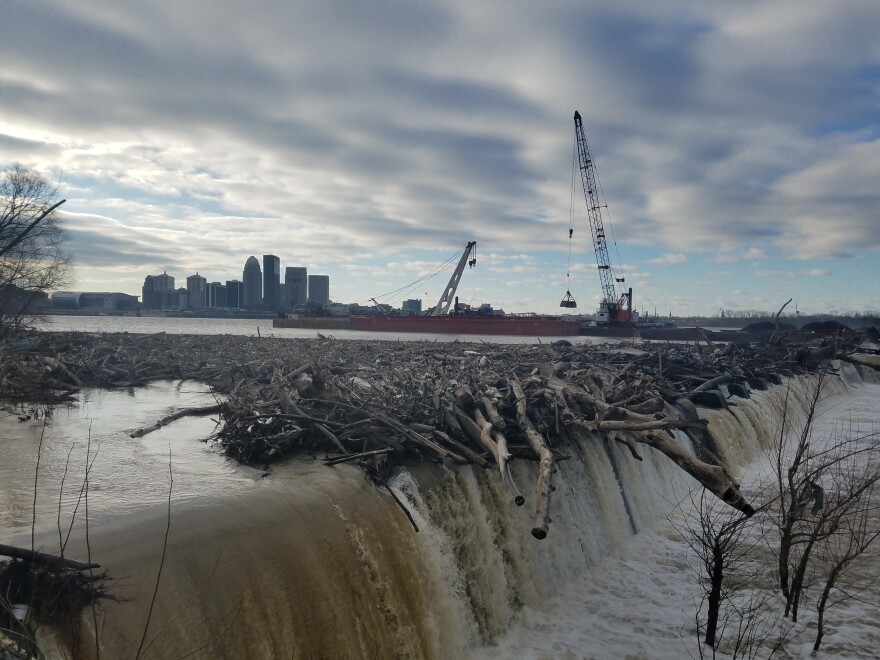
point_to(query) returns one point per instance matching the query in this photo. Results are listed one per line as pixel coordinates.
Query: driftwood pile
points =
(384, 403)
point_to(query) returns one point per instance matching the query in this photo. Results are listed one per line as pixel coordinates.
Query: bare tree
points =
(32, 260)
(854, 542)
(819, 487)
(729, 609)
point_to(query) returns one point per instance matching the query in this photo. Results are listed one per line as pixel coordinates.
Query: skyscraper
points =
(195, 287)
(295, 286)
(271, 282)
(158, 292)
(216, 295)
(252, 282)
(234, 294)
(319, 289)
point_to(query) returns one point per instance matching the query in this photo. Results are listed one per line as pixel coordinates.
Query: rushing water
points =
(314, 562)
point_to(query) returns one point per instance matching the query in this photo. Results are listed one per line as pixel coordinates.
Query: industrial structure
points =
(611, 308)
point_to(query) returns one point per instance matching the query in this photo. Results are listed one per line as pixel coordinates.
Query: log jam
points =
(381, 404)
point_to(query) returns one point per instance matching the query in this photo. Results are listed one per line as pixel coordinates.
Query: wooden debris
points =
(45, 559)
(387, 403)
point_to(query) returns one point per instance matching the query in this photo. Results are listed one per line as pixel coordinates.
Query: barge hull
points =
(523, 326)
(529, 326)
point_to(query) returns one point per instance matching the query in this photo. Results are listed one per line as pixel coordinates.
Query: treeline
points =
(742, 317)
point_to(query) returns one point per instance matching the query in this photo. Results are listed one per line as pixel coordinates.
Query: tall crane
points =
(442, 306)
(611, 309)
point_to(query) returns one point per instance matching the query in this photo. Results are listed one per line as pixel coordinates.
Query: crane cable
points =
(407, 288)
(570, 219)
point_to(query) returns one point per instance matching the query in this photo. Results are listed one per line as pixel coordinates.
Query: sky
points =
(735, 143)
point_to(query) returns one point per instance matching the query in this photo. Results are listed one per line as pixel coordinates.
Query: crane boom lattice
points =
(442, 306)
(594, 213)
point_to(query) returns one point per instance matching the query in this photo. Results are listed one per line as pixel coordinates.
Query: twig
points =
(375, 475)
(161, 560)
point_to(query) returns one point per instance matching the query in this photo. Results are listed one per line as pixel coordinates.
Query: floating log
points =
(180, 414)
(45, 559)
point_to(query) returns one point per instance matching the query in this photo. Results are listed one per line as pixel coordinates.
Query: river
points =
(314, 562)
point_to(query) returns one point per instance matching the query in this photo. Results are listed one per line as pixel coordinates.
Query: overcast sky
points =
(737, 144)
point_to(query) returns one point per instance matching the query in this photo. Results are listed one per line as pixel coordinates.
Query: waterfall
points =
(317, 562)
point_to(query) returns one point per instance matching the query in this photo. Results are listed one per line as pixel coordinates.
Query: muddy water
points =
(125, 473)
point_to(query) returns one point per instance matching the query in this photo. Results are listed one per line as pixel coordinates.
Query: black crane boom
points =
(594, 212)
(610, 302)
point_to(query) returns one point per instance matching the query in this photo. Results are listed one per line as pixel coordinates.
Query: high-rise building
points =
(149, 296)
(182, 298)
(413, 306)
(234, 294)
(216, 295)
(158, 292)
(252, 282)
(296, 284)
(195, 287)
(271, 282)
(319, 289)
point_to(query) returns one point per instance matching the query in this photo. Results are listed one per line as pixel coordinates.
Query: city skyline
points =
(258, 288)
(737, 144)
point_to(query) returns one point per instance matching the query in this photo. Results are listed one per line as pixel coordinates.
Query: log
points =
(492, 413)
(495, 442)
(419, 438)
(180, 414)
(627, 425)
(541, 520)
(466, 451)
(327, 433)
(629, 444)
(713, 383)
(45, 559)
(354, 457)
(713, 477)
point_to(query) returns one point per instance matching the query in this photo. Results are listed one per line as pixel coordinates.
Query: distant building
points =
(234, 294)
(295, 290)
(412, 307)
(182, 298)
(65, 300)
(157, 292)
(99, 301)
(216, 295)
(196, 286)
(319, 289)
(271, 282)
(252, 281)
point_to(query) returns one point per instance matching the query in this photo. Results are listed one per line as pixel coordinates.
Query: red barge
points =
(451, 324)
(454, 324)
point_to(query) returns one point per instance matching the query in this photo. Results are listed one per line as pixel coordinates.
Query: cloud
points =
(341, 136)
(668, 259)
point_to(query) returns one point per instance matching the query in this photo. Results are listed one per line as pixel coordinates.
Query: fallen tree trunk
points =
(541, 520)
(44, 558)
(180, 414)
